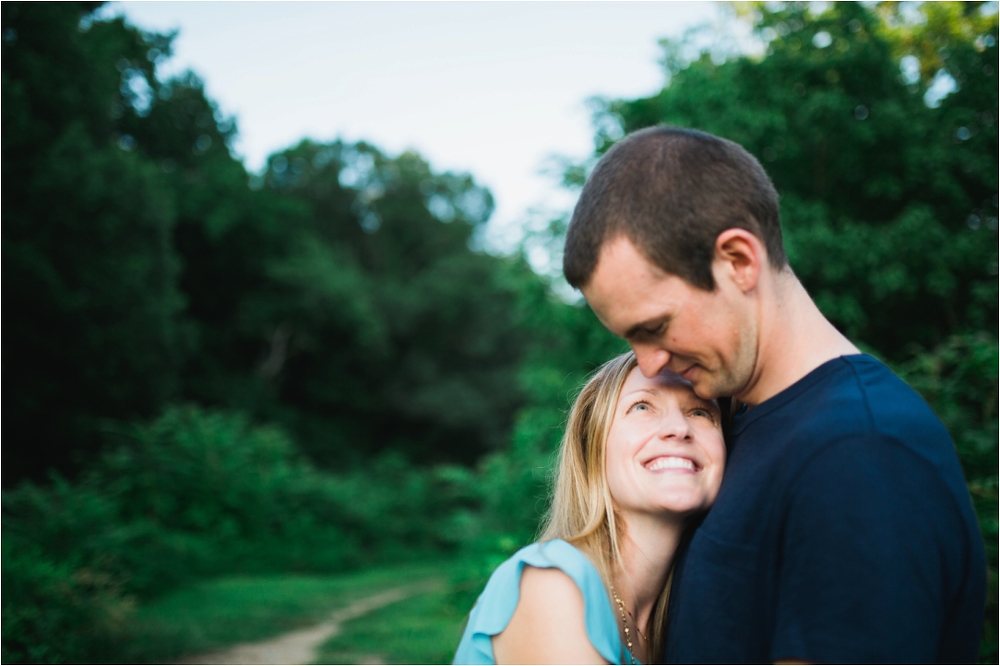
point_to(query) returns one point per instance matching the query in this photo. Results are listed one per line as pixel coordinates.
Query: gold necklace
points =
(628, 636)
(636, 625)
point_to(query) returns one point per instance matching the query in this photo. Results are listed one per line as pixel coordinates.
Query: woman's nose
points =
(674, 425)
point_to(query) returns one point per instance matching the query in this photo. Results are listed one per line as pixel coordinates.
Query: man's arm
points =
(871, 540)
(548, 625)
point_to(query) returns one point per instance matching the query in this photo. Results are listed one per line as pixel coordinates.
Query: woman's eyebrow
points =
(714, 406)
(639, 390)
(694, 397)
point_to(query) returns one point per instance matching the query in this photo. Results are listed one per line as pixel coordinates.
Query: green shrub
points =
(53, 613)
(959, 381)
(197, 493)
(192, 493)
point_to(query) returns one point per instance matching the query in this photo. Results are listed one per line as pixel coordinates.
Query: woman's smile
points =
(665, 450)
(672, 464)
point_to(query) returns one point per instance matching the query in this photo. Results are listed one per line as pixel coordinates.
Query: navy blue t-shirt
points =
(843, 533)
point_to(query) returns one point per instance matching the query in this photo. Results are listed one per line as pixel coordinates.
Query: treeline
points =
(338, 295)
(210, 371)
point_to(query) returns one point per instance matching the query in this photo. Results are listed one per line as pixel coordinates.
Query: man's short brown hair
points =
(671, 192)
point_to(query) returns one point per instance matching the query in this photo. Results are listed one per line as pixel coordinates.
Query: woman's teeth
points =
(670, 462)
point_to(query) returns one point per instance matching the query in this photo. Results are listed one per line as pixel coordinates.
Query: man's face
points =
(708, 338)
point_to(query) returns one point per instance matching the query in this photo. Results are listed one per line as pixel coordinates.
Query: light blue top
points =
(496, 604)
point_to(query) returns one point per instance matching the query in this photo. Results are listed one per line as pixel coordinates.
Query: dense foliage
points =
(145, 266)
(163, 304)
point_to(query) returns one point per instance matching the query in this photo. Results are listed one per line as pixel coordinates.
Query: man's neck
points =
(794, 338)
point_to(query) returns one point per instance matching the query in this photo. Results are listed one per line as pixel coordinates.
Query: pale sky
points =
(491, 88)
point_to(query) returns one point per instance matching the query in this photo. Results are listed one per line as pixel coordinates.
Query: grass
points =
(423, 629)
(221, 612)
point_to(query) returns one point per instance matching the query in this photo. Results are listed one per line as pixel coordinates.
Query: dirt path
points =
(299, 647)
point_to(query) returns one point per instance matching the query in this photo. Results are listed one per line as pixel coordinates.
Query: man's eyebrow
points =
(644, 326)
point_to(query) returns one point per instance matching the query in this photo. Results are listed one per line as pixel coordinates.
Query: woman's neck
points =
(648, 547)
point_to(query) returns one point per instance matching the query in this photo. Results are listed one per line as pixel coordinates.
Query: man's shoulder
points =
(866, 401)
(854, 396)
(866, 421)
(893, 405)
(850, 414)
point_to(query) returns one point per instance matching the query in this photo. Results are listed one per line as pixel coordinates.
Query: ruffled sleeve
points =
(496, 605)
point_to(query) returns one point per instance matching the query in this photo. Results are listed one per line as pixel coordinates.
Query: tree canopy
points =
(339, 294)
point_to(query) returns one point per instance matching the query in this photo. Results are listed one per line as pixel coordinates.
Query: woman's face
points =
(665, 452)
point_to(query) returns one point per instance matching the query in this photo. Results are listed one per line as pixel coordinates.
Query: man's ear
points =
(739, 256)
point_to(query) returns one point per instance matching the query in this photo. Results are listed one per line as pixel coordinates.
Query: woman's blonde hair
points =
(583, 511)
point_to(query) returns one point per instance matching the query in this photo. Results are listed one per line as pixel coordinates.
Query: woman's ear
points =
(739, 258)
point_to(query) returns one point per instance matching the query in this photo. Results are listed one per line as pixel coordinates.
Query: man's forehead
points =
(621, 253)
(620, 290)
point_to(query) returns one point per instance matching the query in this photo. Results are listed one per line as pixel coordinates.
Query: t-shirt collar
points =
(745, 416)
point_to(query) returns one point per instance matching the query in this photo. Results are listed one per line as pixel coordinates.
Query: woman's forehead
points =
(667, 380)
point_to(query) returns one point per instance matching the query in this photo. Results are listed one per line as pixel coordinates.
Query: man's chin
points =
(708, 384)
(702, 383)
(706, 391)
(710, 387)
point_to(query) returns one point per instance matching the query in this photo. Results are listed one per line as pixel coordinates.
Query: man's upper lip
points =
(684, 369)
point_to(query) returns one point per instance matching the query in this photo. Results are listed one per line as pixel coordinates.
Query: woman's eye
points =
(639, 407)
(703, 413)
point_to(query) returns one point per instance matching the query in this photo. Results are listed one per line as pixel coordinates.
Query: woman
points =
(640, 457)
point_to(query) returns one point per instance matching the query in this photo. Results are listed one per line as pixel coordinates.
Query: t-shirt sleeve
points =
(868, 532)
(495, 606)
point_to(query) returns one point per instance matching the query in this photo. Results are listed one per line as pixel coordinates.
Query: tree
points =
(339, 294)
(387, 331)
(89, 267)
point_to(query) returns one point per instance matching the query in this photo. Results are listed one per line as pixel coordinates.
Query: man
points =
(844, 531)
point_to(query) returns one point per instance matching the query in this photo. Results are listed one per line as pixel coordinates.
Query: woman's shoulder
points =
(565, 557)
(499, 599)
(503, 589)
(496, 605)
(556, 553)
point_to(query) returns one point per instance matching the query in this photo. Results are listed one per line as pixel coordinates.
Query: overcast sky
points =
(490, 88)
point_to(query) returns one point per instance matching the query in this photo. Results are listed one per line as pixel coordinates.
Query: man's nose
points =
(651, 360)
